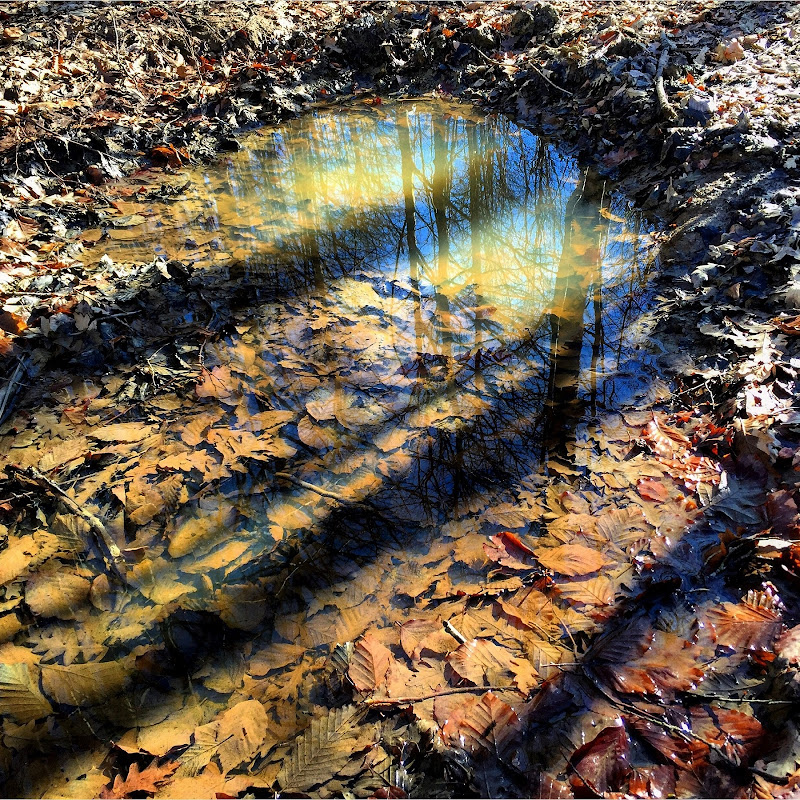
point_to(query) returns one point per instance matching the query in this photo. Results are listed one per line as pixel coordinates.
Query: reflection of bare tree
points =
(578, 276)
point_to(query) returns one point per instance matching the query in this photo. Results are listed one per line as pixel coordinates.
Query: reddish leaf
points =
(739, 736)
(669, 664)
(651, 489)
(788, 646)
(510, 551)
(147, 781)
(482, 663)
(665, 441)
(369, 663)
(674, 748)
(573, 560)
(744, 627)
(602, 764)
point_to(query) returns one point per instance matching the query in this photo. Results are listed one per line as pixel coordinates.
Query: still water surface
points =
(444, 306)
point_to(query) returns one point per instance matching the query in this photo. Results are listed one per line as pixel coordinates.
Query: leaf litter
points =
(593, 648)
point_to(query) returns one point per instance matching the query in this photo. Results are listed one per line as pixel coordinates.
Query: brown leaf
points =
(417, 635)
(319, 437)
(744, 627)
(146, 781)
(572, 560)
(369, 663)
(485, 725)
(83, 684)
(602, 764)
(510, 551)
(236, 735)
(482, 663)
(61, 594)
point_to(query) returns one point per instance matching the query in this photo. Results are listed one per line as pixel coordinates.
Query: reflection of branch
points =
(394, 701)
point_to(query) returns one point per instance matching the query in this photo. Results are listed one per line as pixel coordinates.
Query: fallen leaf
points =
(602, 765)
(369, 663)
(572, 560)
(146, 781)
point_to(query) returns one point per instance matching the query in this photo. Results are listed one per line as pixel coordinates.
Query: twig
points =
(664, 106)
(536, 69)
(108, 548)
(394, 701)
(313, 487)
(10, 390)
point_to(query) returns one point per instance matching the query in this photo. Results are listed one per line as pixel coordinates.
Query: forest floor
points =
(694, 110)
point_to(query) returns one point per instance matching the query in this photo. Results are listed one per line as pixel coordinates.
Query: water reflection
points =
(449, 307)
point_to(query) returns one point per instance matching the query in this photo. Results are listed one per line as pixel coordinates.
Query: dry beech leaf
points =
(572, 560)
(369, 663)
(482, 663)
(665, 441)
(601, 765)
(83, 684)
(19, 694)
(744, 627)
(651, 489)
(146, 781)
(486, 725)
(236, 735)
(123, 432)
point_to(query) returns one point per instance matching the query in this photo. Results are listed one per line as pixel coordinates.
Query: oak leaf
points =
(147, 780)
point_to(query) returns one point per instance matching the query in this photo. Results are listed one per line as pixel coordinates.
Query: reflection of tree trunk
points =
(476, 220)
(439, 192)
(578, 275)
(414, 259)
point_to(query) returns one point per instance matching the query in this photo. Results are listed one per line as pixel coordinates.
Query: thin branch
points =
(108, 548)
(401, 701)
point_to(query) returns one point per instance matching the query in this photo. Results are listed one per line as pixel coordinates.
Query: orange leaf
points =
(510, 551)
(147, 781)
(744, 627)
(12, 323)
(572, 560)
(369, 663)
(651, 489)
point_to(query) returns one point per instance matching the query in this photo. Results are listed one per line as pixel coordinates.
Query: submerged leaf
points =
(482, 663)
(741, 626)
(324, 749)
(369, 663)
(572, 560)
(19, 694)
(602, 765)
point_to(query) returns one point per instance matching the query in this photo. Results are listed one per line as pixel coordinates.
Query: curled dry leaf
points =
(510, 551)
(369, 663)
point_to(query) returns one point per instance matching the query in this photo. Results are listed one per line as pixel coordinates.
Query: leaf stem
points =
(396, 701)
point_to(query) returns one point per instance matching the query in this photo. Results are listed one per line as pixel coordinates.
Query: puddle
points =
(446, 345)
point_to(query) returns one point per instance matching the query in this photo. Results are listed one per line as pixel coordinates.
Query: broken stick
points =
(108, 549)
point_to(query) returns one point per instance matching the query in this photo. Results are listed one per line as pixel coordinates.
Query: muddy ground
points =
(692, 107)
